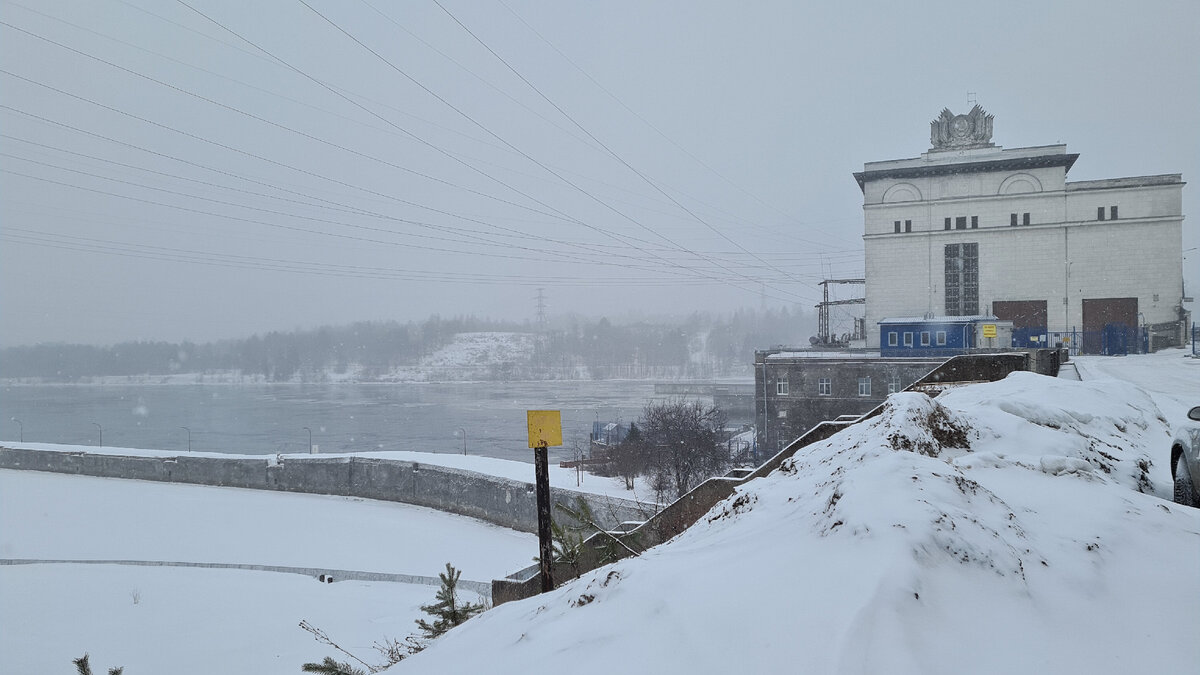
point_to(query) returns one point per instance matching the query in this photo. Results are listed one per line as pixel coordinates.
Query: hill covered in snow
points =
(1012, 527)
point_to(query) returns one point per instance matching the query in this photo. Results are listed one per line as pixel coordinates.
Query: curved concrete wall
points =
(496, 500)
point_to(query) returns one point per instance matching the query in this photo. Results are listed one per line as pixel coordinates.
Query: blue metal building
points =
(942, 335)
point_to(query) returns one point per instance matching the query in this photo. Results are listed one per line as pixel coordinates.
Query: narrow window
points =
(1099, 213)
(908, 225)
(824, 387)
(974, 222)
(924, 338)
(893, 339)
(1024, 218)
(908, 339)
(941, 338)
(896, 225)
(960, 223)
(1112, 213)
(894, 384)
(1012, 220)
(781, 386)
(864, 386)
(947, 223)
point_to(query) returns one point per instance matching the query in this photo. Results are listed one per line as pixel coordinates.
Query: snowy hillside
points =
(1013, 527)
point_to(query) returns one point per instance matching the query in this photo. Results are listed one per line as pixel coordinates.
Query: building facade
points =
(970, 228)
(798, 389)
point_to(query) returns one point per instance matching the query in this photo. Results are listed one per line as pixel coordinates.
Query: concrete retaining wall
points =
(496, 500)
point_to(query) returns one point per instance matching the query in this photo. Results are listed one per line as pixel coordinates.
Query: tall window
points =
(974, 222)
(781, 386)
(864, 386)
(1024, 218)
(893, 340)
(896, 226)
(1012, 220)
(824, 387)
(1112, 213)
(908, 224)
(1099, 213)
(947, 223)
(962, 279)
(894, 384)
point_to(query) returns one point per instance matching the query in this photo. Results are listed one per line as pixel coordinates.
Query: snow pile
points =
(1001, 528)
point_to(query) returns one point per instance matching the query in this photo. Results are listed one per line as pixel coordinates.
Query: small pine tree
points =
(448, 612)
(85, 668)
(331, 667)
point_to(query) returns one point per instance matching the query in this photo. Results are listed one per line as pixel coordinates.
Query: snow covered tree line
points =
(701, 345)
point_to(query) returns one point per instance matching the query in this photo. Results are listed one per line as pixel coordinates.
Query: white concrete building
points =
(972, 228)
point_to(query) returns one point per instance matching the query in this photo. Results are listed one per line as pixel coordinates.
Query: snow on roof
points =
(939, 319)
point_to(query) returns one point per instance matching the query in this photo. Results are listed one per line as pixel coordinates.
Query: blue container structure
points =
(941, 335)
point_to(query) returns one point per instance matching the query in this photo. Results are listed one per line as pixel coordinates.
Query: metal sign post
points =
(545, 429)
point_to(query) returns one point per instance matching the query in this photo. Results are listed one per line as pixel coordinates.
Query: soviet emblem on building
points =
(956, 132)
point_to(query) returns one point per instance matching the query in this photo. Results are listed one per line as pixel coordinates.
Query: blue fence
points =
(1115, 340)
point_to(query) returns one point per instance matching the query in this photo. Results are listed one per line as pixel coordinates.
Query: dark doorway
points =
(1028, 317)
(1110, 325)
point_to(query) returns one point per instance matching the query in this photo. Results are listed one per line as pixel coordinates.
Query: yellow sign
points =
(545, 427)
(989, 330)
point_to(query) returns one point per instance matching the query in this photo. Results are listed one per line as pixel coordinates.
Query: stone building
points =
(970, 228)
(798, 389)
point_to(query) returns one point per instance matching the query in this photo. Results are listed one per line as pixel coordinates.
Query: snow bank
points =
(1000, 528)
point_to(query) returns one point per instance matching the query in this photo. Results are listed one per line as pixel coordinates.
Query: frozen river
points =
(269, 418)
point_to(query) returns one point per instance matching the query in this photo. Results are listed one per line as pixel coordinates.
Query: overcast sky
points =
(219, 168)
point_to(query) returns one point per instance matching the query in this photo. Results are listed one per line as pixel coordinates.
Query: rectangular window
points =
(908, 340)
(781, 386)
(864, 386)
(1112, 213)
(893, 339)
(824, 387)
(947, 223)
(782, 414)
(941, 338)
(974, 222)
(1012, 220)
(894, 384)
(1024, 218)
(962, 279)
(908, 225)
(924, 338)
(896, 226)
(960, 223)
(1099, 213)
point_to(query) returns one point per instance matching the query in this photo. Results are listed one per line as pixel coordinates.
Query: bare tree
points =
(683, 437)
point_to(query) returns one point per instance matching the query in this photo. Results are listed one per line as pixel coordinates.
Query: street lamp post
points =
(189, 435)
(21, 427)
(463, 431)
(309, 439)
(100, 429)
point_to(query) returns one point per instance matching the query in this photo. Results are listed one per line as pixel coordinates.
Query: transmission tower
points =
(541, 310)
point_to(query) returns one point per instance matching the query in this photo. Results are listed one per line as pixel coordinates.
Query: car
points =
(1185, 459)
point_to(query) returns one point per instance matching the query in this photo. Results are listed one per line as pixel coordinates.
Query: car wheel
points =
(1185, 489)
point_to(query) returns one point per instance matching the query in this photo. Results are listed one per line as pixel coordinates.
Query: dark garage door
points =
(1110, 325)
(1028, 317)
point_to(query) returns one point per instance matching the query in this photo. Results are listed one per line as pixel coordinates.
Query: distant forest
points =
(701, 345)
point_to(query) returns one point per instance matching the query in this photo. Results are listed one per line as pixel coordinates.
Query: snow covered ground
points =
(183, 620)
(1002, 528)
(1012, 527)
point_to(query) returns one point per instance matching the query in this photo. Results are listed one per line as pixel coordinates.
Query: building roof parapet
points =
(919, 168)
(1130, 182)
